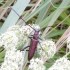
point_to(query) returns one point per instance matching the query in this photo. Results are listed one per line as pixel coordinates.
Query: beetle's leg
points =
(24, 48)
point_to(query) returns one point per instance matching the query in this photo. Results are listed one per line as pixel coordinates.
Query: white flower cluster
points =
(14, 56)
(36, 64)
(47, 49)
(7, 65)
(13, 60)
(61, 64)
(14, 37)
(10, 40)
(68, 41)
(19, 34)
(27, 30)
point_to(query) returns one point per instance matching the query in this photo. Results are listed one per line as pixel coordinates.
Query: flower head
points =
(26, 30)
(48, 49)
(9, 40)
(13, 28)
(14, 56)
(36, 64)
(29, 29)
(7, 65)
(22, 38)
(61, 64)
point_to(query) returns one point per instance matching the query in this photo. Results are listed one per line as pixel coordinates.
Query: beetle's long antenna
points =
(21, 18)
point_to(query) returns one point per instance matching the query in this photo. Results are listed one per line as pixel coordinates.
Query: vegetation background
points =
(53, 17)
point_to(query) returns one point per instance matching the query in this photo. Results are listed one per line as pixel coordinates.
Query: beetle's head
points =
(36, 28)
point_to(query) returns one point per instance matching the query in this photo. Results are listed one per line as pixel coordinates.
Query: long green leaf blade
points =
(13, 17)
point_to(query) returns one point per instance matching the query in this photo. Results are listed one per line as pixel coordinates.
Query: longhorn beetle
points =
(34, 40)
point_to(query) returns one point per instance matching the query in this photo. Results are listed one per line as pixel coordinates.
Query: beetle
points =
(34, 40)
(33, 44)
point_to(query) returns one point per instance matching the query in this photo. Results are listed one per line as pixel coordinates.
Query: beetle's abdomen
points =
(32, 48)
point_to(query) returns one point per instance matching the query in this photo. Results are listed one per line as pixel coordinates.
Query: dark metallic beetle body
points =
(33, 45)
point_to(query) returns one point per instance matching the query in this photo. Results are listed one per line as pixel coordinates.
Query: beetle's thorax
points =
(36, 34)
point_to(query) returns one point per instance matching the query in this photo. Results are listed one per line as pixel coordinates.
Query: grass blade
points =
(13, 17)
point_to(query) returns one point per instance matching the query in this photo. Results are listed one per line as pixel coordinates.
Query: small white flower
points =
(9, 40)
(13, 28)
(22, 38)
(26, 30)
(15, 57)
(7, 65)
(36, 64)
(48, 49)
(61, 64)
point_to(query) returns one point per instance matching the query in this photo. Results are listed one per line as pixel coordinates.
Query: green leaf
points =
(2, 54)
(1, 1)
(63, 15)
(45, 22)
(42, 13)
(57, 13)
(19, 7)
(55, 33)
(28, 17)
(1, 60)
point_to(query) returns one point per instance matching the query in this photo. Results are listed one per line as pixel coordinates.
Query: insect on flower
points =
(33, 45)
(34, 39)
